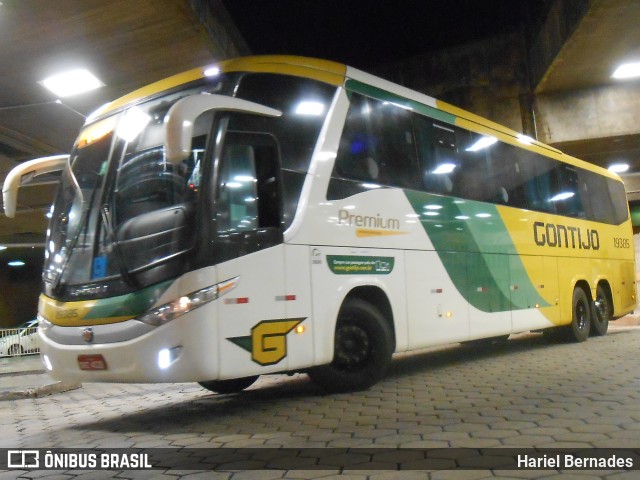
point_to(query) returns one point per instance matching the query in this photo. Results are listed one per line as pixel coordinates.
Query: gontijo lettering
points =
(556, 235)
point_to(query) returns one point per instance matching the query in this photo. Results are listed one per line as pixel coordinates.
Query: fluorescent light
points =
(482, 142)
(16, 263)
(72, 82)
(618, 167)
(627, 70)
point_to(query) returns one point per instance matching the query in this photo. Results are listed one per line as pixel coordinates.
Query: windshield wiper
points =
(122, 265)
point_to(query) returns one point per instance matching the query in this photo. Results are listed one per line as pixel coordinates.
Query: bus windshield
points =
(122, 208)
(125, 215)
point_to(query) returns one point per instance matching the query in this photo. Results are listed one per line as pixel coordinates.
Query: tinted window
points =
(377, 146)
(385, 145)
(304, 105)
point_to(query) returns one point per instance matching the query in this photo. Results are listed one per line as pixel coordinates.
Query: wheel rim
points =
(582, 316)
(353, 347)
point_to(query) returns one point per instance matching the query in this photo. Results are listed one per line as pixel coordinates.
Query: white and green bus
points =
(283, 214)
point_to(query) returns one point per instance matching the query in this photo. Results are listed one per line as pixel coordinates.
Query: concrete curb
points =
(37, 392)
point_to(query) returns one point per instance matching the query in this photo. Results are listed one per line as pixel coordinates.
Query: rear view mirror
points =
(182, 116)
(25, 172)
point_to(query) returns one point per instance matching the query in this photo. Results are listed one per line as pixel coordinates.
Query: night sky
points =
(367, 33)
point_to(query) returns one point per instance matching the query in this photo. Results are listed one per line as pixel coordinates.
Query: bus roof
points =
(321, 70)
(339, 74)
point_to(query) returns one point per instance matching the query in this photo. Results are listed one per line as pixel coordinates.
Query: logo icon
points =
(23, 459)
(87, 334)
(267, 343)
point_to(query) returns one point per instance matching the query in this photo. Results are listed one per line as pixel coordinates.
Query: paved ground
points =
(529, 393)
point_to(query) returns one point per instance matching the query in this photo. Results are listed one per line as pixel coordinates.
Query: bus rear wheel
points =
(602, 312)
(233, 385)
(580, 326)
(362, 349)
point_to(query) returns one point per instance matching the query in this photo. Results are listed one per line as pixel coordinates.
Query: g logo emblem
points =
(268, 341)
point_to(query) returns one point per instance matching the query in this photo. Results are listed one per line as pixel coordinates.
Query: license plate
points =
(92, 362)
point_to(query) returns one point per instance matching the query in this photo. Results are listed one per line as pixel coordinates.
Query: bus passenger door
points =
(248, 249)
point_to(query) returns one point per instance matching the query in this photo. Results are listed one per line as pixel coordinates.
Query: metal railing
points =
(19, 341)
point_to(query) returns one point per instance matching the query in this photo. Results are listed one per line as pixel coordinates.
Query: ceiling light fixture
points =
(71, 83)
(627, 70)
(618, 167)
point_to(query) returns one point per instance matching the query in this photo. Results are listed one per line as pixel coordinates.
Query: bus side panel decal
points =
(476, 228)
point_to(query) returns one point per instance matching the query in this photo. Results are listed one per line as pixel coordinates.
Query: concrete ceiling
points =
(129, 44)
(125, 44)
(606, 36)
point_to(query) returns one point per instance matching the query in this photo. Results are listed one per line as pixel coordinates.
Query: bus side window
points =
(437, 151)
(566, 194)
(377, 148)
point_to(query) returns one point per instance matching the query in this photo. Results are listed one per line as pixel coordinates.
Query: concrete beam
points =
(607, 111)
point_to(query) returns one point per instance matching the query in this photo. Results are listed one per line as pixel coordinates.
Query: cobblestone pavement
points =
(528, 393)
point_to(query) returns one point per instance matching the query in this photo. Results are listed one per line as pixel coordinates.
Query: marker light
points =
(170, 311)
(212, 72)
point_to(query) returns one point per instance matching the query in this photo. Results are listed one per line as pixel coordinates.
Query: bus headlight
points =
(170, 311)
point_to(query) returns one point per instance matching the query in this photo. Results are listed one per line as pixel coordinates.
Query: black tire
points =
(362, 350)
(580, 326)
(602, 312)
(233, 385)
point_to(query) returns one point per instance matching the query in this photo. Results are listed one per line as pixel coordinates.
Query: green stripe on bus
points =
(131, 304)
(475, 248)
(385, 96)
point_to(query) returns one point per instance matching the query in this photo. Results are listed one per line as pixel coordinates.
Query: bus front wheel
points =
(233, 385)
(578, 329)
(363, 347)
